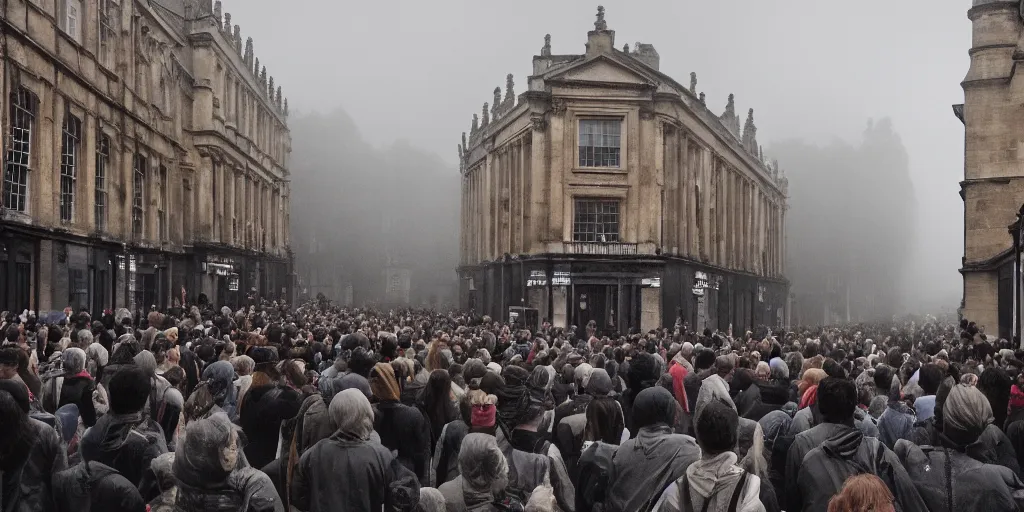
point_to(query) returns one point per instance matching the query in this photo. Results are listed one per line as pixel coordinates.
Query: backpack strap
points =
(684, 494)
(735, 501)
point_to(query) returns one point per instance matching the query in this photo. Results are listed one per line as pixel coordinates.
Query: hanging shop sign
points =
(760, 292)
(561, 278)
(704, 281)
(537, 278)
(652, 282)
(233, 283)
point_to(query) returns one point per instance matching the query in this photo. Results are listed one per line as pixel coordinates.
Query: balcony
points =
(601, 249)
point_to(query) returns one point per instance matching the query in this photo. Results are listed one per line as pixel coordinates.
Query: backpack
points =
(595, 474)
(686, 505)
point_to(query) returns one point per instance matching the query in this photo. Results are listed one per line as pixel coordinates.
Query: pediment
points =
(602, 69)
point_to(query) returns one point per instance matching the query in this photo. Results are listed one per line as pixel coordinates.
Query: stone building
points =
(145, 157)
(610, 192)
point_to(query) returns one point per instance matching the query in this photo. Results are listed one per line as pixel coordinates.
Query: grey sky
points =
(811, 69)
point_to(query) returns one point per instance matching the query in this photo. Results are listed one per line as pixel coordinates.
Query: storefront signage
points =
(561, 278)
(760, 292)
(703, 281)
(220, 269)
(653, 282)
(537, 278)
(233, 283)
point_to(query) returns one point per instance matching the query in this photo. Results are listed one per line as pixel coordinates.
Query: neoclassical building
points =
(609, 192)
(145, 157)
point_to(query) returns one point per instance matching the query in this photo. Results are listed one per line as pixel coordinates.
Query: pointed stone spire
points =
(286, 107)
(729, 118)
(510, 85)
(270, 87)
(625, 48)
(256, 67)
(476, 124)
(464, 146)
(217, 17)
(750, 134)
(277, 98)
(238, 39)
(484, 117)
(496, 104)
(227, 23)
(247, 57)
(600, 24)
(545, 51)
(263, 76)
(693, 83)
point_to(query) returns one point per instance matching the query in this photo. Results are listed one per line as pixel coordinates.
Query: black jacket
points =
(98, 485)
(264, 410)
(78, 391)
(949, 480)
(344, 474)
(405, 430)
(31, 482)
(126, 442)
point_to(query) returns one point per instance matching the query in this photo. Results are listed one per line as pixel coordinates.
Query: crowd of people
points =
(321, 408)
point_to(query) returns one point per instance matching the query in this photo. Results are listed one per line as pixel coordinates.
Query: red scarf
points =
(810, 397)
(678, 372)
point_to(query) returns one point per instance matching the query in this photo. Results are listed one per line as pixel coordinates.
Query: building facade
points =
(993, 184)
(608, 192)
(145, 158)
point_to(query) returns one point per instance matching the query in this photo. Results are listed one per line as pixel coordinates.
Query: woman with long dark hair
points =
(437, 404)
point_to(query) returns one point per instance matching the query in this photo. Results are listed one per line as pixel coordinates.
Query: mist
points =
(402, 79)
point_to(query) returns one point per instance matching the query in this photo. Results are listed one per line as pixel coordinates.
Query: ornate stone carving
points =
(277, 98)
(464, 140)
(729, 118)
(539, 122)
(646, 113)
(263, 76)
(484, 116)
(703, 99)
(270, 87)
(227, 23)
(256, 67)
(625, 48)
(247, 57)
(286, 107)
(546, 50)
(238, 39)
(750, 134)
(600, 24)
(693, 83)
(558, 106)
(497, 103)
(217, 17)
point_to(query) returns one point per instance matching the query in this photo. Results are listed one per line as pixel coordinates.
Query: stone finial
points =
(464, 141)
(484, 116)
(270, 87)
(277, 97)
(247, 57)
(625, 48)
(730, 107)
(238, 39)
(729, 118)
(750, 134)
(227, 23)
(693, 83)
(263, 76)
(600, 24)
(476, 123)
(703, 99)
(510, 85)
(546, 49)
(217, 17)
(256, 67)
(286, 107)
(496, 104)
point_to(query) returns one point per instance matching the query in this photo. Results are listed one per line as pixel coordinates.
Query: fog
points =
(381, 91)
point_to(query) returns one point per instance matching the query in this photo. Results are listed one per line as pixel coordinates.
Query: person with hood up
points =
(401, 428)
(77, 386)
(483, 476)
(126, 439)
(165, 402)
(267, 406)
(646, 465)
(30, 453)
(349, 472)
(750, 438)
(207, 473)
(714, 483)
(822, 458)
(897, 421)
(961, 483)
(568, 433)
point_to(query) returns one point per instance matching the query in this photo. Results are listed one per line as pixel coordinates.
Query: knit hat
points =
(600, 383)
